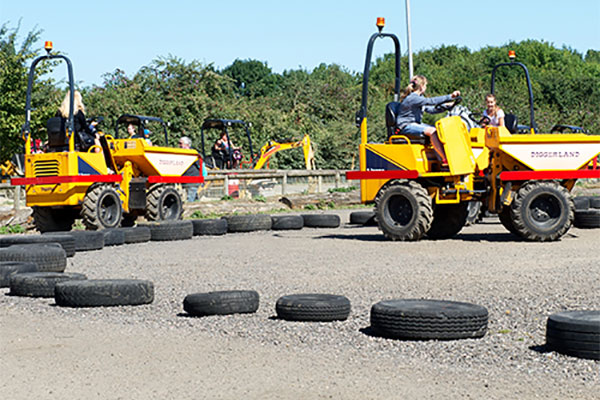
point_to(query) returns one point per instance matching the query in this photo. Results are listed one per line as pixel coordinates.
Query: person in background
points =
(194, 170)
(493, 114)
(85, 137)
(410, 111)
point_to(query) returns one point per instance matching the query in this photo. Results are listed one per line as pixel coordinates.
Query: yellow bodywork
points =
(272, 147)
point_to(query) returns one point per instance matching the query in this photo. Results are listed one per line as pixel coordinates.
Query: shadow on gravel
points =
(542, 349)
(369, 332)
(487, 237)
(376, 237)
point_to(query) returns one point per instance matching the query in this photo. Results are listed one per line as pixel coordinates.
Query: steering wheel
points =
(481, 119)
(448, 105)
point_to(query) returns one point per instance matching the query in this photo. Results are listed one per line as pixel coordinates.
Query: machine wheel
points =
(506, 221)
(128, 220)
(542, 211)
(448, 220)
(101, 208)
(163, 203)
(474, 213)
(47, 219)
(403, 210)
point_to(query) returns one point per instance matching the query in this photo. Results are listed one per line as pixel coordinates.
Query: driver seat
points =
(391, 112)
(510, 122)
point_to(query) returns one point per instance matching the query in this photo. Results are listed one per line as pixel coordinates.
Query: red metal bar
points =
(54, 180)
(396, 174)
(541, 175)
(175, 179)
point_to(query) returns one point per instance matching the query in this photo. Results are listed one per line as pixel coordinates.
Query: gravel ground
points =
(157, 351)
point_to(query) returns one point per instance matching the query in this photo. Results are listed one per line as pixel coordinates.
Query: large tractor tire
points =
(101, 208)
(474, 212)
(448, 220)
(163, 203)
(48, 219)
(403, 210)
(506, 221)
(542, 211)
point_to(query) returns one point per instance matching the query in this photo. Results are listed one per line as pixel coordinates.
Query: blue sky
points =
(100, 36)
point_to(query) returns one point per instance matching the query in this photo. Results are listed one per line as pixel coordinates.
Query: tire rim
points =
(108, 210)
(170, 206)
(400, 210)
(545, 210)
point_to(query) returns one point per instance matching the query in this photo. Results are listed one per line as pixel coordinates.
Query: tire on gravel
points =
(595, 202)
(542, 211)
(581, 202)
(575, 333)
(313, 307)
(221, 303)
(88, 240)
(248, 223)
(163, 203)
(113, 237)
(321, 220)
(48, 219)
(448, 220)
(10, 268)
(418, 319)
(287, 222)
(365, 218)
(587, 219)
(49, 257)
(136, 234)
(64, 239)
(209, 227)
(104, 293)
(101, 207)
(506, 221)
(474, 213)
(170, 230)
(40, 284)
(404, 210)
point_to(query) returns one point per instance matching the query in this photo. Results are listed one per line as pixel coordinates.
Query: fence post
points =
(226, 185)
(284, 184)
(337, 179)
(17, 205)
(319, 183)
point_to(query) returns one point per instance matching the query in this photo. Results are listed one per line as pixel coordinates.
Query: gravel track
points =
(259, 356)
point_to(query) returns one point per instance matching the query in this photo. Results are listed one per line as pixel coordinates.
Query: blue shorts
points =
(415, 129)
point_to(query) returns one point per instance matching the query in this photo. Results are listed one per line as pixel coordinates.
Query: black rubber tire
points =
(419, 319)
(49, 257)
(248, 223)
(506, 221)
(404, 210)
(321, 220)
(587, 219)
(163, 203)
(542, 211)
(575, 333)
(136, 234)
(65, 240)
(113, 237)
(104, 293)
(448, 220)
(209, 227)
(101, 208)
(221, 303)
(170, 230)
(40, 284)
(474, 213)
(286, 222)
(581, 203)
(48, 219)
(365, 218)
(595, 202)
(128, 220)
(88, 240)
(313, 307)
(11, 268)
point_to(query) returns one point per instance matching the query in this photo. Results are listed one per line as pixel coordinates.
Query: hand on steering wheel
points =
(448, 105)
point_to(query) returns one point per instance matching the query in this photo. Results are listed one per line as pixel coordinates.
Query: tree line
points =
(320, 102)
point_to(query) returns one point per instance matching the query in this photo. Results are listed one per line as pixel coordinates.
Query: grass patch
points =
(11, 229)
(342, 189)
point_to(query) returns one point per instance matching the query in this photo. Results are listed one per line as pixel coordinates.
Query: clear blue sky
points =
(100, 36)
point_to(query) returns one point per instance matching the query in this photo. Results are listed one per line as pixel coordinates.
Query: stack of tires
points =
(587, 212)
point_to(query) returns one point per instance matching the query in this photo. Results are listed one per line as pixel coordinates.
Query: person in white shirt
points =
(493, 112)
